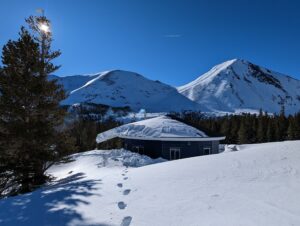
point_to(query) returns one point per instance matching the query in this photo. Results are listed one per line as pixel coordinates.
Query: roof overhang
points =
(173, 138)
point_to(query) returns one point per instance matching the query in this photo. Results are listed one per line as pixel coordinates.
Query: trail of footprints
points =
(122, 205)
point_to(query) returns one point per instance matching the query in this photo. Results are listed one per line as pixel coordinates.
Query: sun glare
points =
(44, 27)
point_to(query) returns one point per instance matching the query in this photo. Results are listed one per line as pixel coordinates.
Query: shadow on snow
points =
(52, 205)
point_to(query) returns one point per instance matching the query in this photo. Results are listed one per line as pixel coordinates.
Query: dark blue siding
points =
(156, 149)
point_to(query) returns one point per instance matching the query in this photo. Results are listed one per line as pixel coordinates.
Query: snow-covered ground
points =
(257, 185)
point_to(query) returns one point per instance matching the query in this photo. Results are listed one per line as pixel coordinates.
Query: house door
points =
(174, 153)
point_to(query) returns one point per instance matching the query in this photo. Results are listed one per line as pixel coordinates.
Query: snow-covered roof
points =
(158, 128)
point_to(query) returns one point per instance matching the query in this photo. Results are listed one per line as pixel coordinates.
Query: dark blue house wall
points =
(157, 149)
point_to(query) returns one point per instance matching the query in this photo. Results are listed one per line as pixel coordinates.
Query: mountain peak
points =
(119, 88)
(234, 63)
(223, 68)
(239, 84)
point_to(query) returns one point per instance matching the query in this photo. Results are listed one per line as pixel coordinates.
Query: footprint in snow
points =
(121, 205)
(125, 178)
(126, 192)
(215, 196)
(126, 221)
(120, 185)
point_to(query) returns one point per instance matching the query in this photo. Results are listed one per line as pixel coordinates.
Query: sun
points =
(44, 27)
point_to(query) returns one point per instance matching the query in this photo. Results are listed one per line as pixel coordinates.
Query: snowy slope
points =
(73, 82)
(238, 85)
(158, 127)
(122, 88)
(255, 186)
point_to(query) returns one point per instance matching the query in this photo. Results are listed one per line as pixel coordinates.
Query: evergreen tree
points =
(85, 132)
(251, 125)
(261, 128)
(297, 126)
(277, 130)
(270, 131)
(282, 126)
(30, 117)
(282, 111)
(225, 129)
(242, 134)
(291, 131)
(234, 132)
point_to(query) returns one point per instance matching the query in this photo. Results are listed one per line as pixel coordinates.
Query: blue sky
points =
(173, 41)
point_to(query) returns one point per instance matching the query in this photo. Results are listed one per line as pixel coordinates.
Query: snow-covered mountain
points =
(119, 88)
(238, 85)
(233, 86)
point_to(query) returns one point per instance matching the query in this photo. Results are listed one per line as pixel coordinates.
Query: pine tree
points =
(270, 130)
(261, 130)
(84, 131)
(236, 123)
(291, 131)
(251, 128)
(282, 111)
(242, 134)
(282, 126)
(225, 129)
(30, 116)
(297, 126)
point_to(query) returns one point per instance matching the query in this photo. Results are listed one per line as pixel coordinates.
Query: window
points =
(175, 153)
(206, 151)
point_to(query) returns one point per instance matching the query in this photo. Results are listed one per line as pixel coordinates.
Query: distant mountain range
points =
(233, 86)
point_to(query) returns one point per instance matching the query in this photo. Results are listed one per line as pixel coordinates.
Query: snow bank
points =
(230, 148)
(119, 157)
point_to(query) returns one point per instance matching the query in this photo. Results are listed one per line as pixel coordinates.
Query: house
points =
(163, 137)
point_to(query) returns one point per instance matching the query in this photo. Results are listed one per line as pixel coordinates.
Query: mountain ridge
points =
(233, 86)
(118, 88)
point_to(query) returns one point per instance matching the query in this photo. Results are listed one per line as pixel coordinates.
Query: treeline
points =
(246, 128)
(84, 131)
